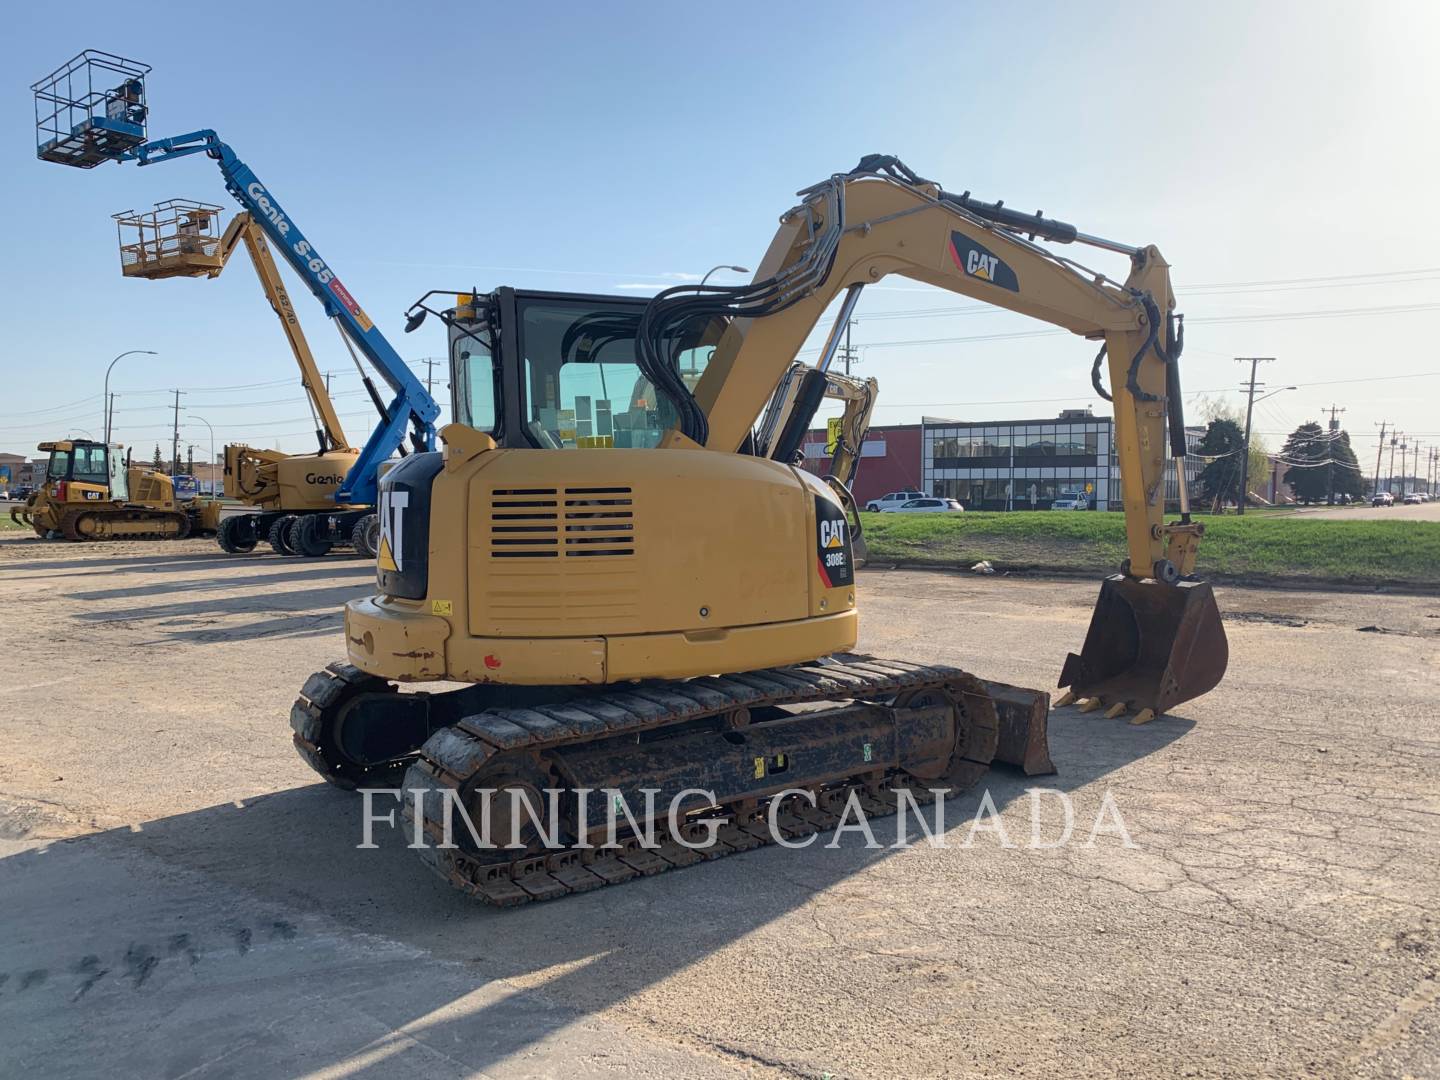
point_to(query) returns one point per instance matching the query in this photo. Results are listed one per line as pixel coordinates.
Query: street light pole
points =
(722, 266)
(1249, 413)
(202, 420)
(105, 398)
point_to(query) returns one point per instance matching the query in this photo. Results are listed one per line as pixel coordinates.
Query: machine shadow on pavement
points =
(360, 572)
(541, 967)
(177, 561)
(326, 603)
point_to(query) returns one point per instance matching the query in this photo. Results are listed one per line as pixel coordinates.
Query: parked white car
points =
(1382, 498)
(894, 500)
(925, 506)
(1071, 500)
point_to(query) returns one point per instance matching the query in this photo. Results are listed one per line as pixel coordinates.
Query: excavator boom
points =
(1151, 645)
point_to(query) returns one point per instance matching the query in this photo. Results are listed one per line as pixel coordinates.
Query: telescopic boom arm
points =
(243, 227)
(412, 408)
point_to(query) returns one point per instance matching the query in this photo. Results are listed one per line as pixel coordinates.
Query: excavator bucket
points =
(1150, 646)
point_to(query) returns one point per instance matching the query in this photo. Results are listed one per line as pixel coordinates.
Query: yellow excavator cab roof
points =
(70, 444)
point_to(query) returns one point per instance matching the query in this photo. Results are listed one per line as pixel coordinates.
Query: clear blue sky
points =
(621, 146)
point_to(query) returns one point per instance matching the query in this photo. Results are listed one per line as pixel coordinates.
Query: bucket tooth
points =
(1090, 704)
(1144, 716)
(1150, 645)
(1118, 709)
(1067, 698)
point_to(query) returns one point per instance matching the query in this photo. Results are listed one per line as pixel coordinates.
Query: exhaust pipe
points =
(1150, 647)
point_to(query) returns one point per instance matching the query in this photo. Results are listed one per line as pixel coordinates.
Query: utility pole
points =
(327, 382)
(1249, 387)
(429, 374)
(1378, 451)
(175, 439)
(1395, 437)
(846, 350)
(1334, 412)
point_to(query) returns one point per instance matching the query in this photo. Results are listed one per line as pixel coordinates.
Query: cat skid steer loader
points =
(642, 594)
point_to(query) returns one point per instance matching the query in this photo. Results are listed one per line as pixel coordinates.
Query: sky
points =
(1280, 155)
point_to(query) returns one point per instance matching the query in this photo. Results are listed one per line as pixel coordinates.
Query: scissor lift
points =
(178, 238)
(90, 110)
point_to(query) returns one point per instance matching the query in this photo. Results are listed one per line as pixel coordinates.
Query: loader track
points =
(458, 757)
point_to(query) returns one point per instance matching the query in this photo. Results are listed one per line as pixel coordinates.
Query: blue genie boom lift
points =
(93, 109)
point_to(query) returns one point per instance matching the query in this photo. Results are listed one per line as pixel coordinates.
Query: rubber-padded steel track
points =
(311, 718)
(455, 756)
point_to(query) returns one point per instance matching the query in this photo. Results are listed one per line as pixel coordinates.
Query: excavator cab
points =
(566, 371)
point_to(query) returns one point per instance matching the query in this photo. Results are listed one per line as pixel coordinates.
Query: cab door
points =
(119, 476)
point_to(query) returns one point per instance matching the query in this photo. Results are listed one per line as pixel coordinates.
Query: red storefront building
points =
(890, 460)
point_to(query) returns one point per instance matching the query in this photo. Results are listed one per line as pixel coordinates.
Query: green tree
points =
(158, 463)
(1212, 408)
(1306, 454)
(1346, 476)
(1219, 480)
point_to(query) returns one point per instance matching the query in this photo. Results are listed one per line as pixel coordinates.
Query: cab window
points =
(476, 377)
(119, 479)
(583, 388)
(91, 466)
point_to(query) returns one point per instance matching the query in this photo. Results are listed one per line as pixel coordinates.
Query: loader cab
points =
(83, 461)
(553, 371)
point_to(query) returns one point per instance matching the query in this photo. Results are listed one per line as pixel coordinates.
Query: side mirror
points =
(415, 318)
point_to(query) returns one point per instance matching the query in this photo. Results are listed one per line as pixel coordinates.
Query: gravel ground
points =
(182, 899)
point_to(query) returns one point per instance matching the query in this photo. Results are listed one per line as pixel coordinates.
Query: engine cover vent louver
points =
(550, 523)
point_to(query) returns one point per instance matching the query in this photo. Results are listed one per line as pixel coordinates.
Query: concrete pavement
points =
(182, 899)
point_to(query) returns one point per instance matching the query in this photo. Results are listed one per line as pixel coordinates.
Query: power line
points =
(1219, 288)
(54, 408)
(1310, 280)
(1278, 316)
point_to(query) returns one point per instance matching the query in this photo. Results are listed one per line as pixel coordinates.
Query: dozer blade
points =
(1149, 646)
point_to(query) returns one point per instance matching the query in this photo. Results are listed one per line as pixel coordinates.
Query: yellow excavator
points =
(641, 595)
(90, 492)
(290, 496)
(787, 419)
